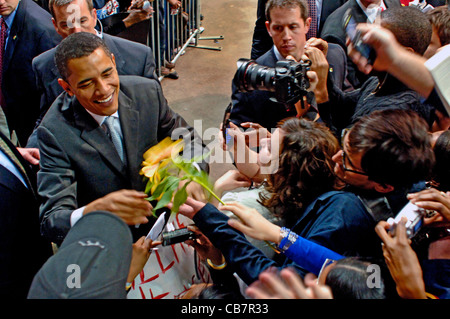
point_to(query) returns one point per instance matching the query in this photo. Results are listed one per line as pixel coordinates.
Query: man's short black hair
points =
(410, 26)
(77, 45)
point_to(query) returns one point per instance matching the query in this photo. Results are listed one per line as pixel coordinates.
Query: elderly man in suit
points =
(287, 24)
(22, 250)
(131, 58)
(26, 32)
(82, 169)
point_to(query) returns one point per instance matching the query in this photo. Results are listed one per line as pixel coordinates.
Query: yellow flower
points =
(163, 151)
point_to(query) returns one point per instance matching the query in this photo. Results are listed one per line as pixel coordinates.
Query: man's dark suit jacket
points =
(333, 32)
(131, 59)
(31, 34)
(79, 163)
(22, 249)
(262, 42)
(257, 107)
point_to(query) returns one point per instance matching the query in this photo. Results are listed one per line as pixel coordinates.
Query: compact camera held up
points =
(177, 236)
(414, 216)
(287, 80)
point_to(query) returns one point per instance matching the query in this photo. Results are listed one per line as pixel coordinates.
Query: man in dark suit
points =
(131, 58)
(22, 249)
(262, 41)
(81, 170)
(333, 31)
(287, 27)
(29, 33)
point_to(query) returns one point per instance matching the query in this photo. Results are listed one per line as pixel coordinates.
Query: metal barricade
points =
(172, 31)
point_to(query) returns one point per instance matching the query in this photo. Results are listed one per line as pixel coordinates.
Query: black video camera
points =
(287, 80)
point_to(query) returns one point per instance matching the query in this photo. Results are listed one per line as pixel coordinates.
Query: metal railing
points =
(171, 32)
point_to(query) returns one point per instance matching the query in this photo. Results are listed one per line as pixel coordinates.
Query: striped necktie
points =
(114, 135)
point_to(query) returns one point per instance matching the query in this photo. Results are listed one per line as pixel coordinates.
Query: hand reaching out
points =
(204, 247)
(31, 155)
(432, 199)
(130, 205)
(141, 252)
(231, 180)
(287, 284)
(189, 208)
(252, 223)
(402, 261)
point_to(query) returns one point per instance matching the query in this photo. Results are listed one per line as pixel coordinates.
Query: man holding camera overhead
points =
(287, 23)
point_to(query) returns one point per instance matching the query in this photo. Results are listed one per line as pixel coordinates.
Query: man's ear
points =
(55, 25)
(66, 87)
(383, 188)
(113, 59)
(94, 16)
(268, 28)
(307, 24)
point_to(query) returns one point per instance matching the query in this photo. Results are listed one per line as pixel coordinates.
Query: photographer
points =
(287, 23)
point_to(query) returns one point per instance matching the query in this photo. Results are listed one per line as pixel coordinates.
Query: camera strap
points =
(378, 207)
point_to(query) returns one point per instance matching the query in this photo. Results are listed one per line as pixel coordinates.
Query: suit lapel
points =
(10, 150)
(129, 122)
(14, 34)
(95, 136)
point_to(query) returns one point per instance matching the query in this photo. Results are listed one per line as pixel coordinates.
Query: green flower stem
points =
(210, 191)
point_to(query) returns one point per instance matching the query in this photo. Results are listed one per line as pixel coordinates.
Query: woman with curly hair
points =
(298, 155)
(305, 168)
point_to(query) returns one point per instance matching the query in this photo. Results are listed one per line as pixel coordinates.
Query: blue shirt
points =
(9, 21)
(6, 162)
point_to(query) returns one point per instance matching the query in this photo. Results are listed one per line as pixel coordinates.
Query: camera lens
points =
(251, 76)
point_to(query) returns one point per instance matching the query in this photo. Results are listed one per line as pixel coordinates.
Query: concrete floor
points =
(203, 89)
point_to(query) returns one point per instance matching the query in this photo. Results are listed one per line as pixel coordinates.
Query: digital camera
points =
(414, 216)
(287, 80)
(177, 236)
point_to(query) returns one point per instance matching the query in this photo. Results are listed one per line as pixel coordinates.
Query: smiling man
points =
(73, 16)
(87, 165)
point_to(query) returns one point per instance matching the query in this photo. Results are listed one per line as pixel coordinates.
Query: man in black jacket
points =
(22, 249)
(29, 33)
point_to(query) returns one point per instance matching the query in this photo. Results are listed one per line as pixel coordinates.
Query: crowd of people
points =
(310, 210)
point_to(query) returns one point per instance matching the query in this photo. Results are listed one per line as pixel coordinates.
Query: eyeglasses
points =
(345, 156)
